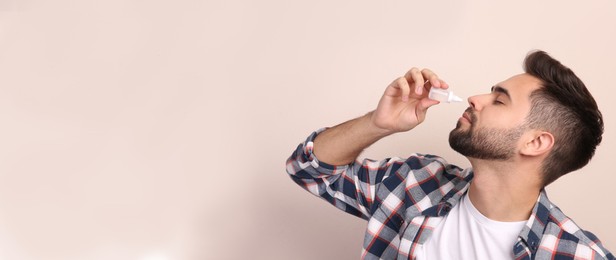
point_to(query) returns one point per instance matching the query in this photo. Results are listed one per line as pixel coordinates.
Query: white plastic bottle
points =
(443, 95)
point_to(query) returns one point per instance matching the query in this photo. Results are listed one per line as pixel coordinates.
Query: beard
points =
(485, 143)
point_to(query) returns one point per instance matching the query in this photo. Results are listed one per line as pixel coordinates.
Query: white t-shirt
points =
(467, 234)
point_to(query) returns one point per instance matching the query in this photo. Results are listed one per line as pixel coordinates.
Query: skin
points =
(502, 190)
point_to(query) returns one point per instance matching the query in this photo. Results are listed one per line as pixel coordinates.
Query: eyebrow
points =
(502, 90)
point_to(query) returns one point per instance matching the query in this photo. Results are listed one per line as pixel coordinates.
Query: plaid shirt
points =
(405, 199)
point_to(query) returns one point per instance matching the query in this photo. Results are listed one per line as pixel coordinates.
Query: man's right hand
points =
(401, 109)
(404, 104)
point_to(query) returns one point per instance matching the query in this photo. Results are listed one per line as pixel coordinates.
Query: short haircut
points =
(564, 107)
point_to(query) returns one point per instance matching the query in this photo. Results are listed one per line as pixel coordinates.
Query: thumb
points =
(423, 105)
(426, 103)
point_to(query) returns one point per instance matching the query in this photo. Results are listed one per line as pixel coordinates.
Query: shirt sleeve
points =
(350, 188)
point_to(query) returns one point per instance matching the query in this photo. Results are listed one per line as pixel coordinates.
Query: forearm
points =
(342, 144)
(399, 110)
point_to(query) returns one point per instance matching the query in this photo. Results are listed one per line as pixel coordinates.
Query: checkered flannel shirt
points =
(405, 199)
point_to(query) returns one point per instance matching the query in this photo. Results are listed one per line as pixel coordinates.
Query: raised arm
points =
(402, 107)
(325, 164)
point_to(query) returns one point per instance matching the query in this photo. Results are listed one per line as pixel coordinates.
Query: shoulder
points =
(425, 175)
(430, 165)
(563, 236)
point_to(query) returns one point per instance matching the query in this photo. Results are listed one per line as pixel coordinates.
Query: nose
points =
(478, 101)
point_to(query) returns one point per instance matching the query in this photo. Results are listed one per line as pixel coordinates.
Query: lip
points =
(466, 117)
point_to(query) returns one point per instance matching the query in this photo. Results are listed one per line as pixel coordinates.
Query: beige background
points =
(158, 130)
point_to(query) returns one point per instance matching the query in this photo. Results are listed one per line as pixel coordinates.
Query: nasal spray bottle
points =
(443, 95)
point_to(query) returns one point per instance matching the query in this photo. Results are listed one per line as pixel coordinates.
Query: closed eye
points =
(500, 93)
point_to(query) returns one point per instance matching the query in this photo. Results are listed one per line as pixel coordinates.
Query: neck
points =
(504, 191)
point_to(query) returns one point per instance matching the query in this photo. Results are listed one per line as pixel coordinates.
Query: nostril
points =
(470, 102)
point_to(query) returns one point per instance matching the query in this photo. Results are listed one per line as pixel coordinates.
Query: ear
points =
(538, 143)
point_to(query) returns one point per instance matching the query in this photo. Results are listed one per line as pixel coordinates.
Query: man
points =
(527, 132)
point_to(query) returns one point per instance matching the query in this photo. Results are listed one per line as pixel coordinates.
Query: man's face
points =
(493, 124)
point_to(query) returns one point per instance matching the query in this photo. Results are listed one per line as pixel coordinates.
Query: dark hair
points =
(565, 108)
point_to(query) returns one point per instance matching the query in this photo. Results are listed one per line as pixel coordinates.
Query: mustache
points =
(471, 114)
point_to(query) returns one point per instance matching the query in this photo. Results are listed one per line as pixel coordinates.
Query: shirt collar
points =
(452, 198)
(535, 226)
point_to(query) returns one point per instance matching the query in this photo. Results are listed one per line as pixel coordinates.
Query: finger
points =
(414, 76)
(426, 103)
(403, 85)
(444, 84)
(398, 88)
(432, 77)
